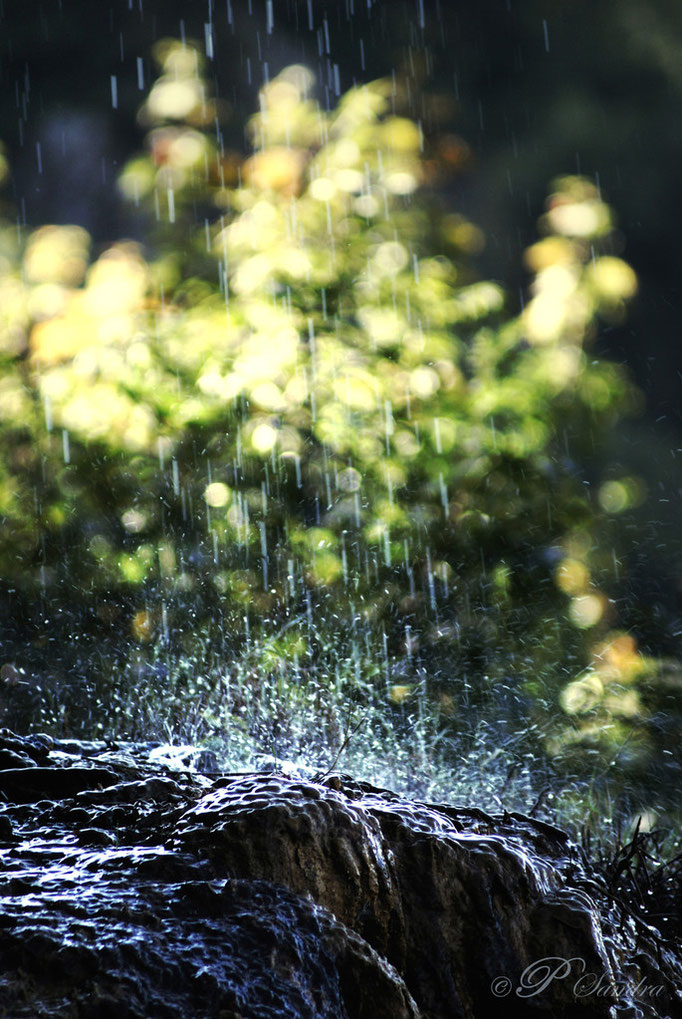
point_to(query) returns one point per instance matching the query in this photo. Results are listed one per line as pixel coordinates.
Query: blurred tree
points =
(307, 408)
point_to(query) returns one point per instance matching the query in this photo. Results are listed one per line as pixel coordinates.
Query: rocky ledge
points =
(141, 881)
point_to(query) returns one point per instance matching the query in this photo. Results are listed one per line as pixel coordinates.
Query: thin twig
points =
(344, 745)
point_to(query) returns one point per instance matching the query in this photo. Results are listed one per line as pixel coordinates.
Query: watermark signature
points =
(541, 974)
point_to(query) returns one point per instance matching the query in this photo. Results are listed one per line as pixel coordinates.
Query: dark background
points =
(536, 88)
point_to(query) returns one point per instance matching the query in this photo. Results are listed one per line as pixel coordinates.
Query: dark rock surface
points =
(140, 881)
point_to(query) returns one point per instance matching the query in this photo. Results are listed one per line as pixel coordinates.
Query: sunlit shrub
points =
(303, 403)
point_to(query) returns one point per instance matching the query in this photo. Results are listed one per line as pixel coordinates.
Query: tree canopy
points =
(293, 418)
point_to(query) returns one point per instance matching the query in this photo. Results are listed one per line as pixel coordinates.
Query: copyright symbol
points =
(501, 986)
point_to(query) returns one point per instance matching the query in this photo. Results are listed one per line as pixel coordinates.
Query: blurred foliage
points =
(298, 409)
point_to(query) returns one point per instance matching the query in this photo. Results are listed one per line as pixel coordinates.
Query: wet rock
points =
(452, 906)
(196, 948)
(31, 785)
(162, 790)
(132, 887)
(12, 759)
(32, 749)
